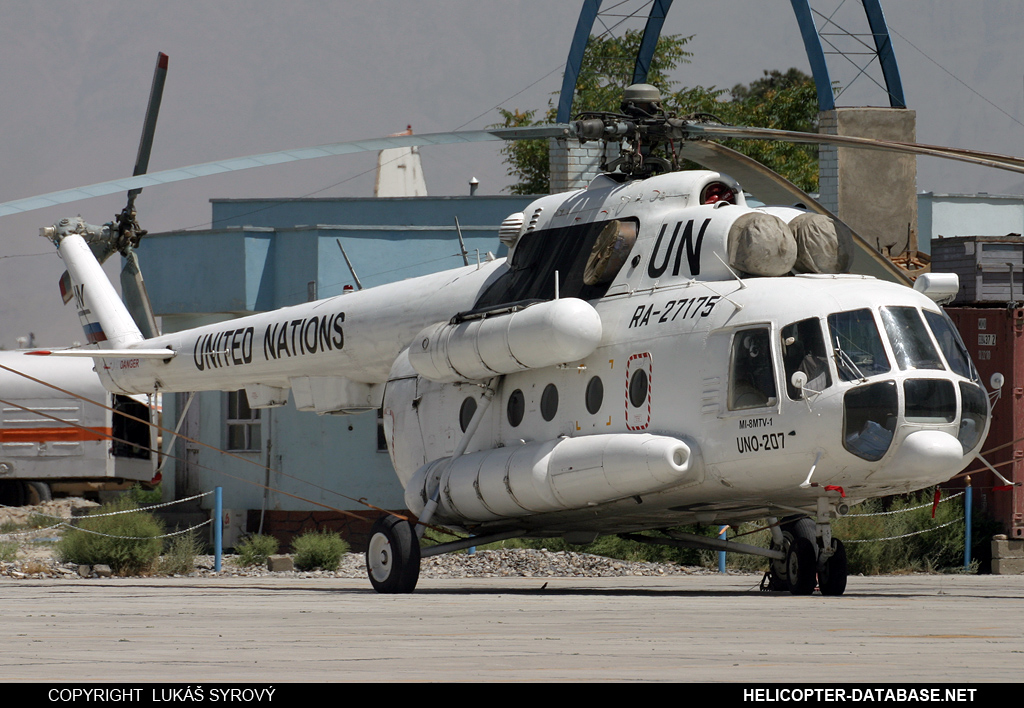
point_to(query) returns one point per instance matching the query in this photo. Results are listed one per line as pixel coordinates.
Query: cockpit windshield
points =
(857, 345)
(909, 339)
(873, 411)
(952, 346)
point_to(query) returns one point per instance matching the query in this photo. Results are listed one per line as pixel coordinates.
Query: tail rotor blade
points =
(136, 299)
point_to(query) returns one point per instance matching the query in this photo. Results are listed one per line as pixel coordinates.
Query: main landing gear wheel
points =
(801, 562)
(832, 576)
(37, 493)
(393, 556)
(778, 579)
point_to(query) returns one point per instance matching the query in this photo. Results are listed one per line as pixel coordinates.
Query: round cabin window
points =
(638, 388)
(549, 402)
(466, 412)
(516, 408)
(595, 395)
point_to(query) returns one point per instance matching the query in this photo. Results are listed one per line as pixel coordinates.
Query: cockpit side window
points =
(803, 349)
(857, 345)
(752, 376)
(909, 339)
(586, 258)
(952, 346)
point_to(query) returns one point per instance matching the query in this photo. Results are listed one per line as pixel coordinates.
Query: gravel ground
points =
(34, 558)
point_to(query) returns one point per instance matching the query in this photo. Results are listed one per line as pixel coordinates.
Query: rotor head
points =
(641, 101)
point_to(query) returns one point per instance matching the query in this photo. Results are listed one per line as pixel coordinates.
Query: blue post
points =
(218, 527)
(721, 554)
(967, 523)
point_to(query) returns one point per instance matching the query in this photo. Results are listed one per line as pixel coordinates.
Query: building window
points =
(243, 423)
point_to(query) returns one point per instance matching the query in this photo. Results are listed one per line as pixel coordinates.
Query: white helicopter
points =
(653, 352)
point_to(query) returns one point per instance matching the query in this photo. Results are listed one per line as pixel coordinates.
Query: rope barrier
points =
(68, 522)
(880, 513)
(135, 538)
(901, 511)
(29, 532)
(124, 511)
(906, 535)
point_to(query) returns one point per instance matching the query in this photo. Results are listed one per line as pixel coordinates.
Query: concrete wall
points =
(874, 192)
(950, 215)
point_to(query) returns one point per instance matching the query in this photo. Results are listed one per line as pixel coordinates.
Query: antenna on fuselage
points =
(462, 244)
(359, 286)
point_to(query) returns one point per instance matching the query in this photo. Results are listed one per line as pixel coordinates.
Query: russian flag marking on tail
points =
(94, 332)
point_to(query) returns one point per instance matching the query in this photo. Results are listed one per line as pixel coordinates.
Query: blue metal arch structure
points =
(572, 65)
(584, 26)
(808, 31)
(652, 32)
(816, 53)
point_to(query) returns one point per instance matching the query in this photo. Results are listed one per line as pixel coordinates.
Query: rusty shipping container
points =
(995, 339)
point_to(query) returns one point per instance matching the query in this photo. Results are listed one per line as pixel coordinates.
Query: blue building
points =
(291, 470)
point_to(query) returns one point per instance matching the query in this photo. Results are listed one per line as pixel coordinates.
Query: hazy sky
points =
(256, 76)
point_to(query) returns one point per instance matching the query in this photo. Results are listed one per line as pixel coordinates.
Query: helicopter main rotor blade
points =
(275, 158)
(156, 93)
(1001, 162)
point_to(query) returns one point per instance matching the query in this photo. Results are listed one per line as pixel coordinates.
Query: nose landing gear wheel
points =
(801, 562)
(393, 556)
(832, 577)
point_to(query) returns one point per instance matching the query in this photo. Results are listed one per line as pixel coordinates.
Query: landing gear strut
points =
(393, 556)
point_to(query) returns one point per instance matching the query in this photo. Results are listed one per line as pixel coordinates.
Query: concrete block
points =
(1007, 566)
(1003, 547)
(280, 564)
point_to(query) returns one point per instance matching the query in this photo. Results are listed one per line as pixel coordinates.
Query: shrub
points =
(145, 497)
(322, 549)
(8, 551)
(936, 549)
(42, 521)
(255, 549)
(180, 557)
(130, 544)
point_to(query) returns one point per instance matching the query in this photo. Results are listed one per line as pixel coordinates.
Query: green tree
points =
(786, 101)
(773, 80)
(527, 160)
